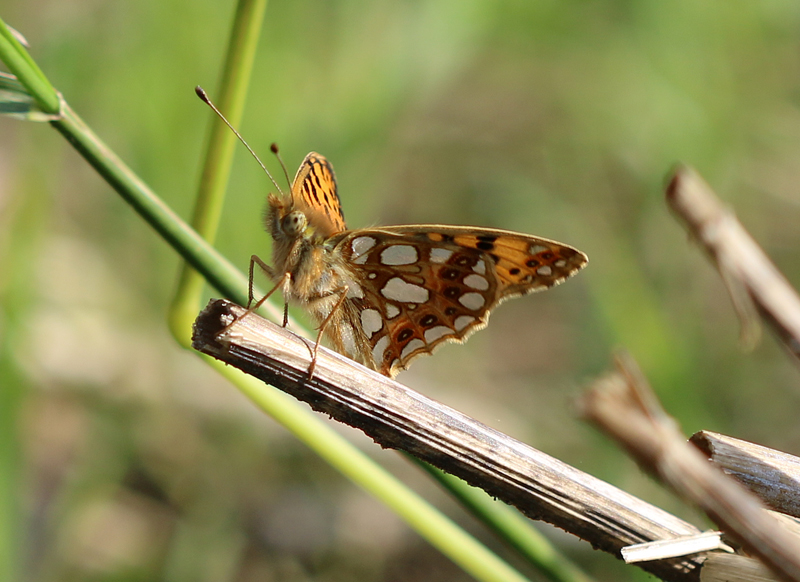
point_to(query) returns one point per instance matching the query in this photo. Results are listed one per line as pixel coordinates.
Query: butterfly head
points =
(287, 223)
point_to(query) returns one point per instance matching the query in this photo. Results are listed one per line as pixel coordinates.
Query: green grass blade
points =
(20, 63)
(236, 74)
(197, 252)
(16, 101)
(428, 521)
(513, 528)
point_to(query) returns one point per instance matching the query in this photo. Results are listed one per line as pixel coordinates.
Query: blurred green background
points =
(133, 461)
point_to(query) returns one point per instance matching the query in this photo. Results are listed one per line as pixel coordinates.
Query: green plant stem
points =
(19, 62)
(197, 252)
(509, 525)
(236, 74)
(440, 531)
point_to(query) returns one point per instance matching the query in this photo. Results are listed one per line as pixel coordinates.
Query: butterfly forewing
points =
(427, 284)
(314, 192)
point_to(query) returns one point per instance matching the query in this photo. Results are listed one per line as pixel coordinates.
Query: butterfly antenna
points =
(274, 149)
(202, 94)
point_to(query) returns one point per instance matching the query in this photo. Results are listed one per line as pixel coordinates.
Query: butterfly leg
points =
(260, 302)
(256, 260)
(270, 272)
(342, 293)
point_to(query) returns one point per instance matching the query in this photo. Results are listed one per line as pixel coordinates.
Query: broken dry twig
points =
(746, 270)
(397, 417)
(624, 406)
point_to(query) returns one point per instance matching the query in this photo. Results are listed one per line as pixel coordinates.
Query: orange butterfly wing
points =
(314, 192)
(424, 285)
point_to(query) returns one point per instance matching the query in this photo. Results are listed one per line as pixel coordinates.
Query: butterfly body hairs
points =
(383, 296)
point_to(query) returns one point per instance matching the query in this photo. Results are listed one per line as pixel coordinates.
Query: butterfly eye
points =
(294, 223)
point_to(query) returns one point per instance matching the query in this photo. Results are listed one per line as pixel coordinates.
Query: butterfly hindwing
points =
(428, 284)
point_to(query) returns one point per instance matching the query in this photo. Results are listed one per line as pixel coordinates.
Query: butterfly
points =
(383, 296)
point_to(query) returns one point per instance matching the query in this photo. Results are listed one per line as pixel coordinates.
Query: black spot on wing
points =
(404, 335)
(452, 292)
(429, 320)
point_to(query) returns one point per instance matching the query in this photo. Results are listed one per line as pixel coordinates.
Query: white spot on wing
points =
(463, 321)
(398, 290)
(544, 271)
(480, 267)
(476, 282)
(536, 249)
(354, 291)
(392, 311)
(561, 263)
(399, 255)
(379, 349)
(362, 245)
(438, 332)
(371, 321)
(440, 255)
(472, 301)
(414, 344)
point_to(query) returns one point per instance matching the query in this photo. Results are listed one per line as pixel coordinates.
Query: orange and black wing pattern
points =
(314, 192)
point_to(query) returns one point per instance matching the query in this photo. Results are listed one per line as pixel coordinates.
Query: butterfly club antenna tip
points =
(205, 98)
(274, 149)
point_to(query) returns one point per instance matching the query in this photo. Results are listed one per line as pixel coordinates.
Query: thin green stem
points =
(197, 252)
(510, 526)
(429, 522)
(19, 62)
(236, 74)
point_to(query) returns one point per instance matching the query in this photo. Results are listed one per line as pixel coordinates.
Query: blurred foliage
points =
(555, 118)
